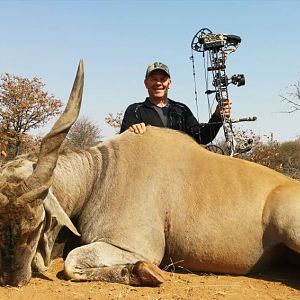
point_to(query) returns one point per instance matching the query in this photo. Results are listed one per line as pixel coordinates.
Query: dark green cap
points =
(157, 66)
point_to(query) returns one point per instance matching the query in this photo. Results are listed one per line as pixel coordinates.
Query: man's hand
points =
(138, 128)
(226, 108)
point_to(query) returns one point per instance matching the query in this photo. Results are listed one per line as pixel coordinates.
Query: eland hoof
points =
(146, 274)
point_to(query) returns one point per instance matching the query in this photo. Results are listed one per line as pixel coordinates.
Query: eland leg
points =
(100, 261)
(283, 217)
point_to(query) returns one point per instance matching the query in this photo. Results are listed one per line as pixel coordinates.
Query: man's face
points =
(157, 84)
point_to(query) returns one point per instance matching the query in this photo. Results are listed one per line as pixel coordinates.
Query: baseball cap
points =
(157, 66)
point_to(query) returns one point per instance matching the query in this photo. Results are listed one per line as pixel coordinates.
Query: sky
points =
(118, 39)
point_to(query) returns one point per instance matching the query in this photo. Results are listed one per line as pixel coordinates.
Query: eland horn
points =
(49, 150)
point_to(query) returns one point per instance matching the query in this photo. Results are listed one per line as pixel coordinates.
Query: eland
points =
(140, 202)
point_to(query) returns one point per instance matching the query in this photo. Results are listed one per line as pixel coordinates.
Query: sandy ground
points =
(278, 283)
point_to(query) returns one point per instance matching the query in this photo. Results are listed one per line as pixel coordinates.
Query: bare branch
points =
(84, 133)
(114, 121)
(292, 97)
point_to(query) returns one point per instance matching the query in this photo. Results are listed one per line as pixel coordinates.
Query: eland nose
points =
(8, 279)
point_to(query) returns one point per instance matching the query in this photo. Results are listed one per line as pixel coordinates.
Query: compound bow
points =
(218, 47)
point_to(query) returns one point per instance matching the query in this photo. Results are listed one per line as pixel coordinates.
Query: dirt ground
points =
(278, 283)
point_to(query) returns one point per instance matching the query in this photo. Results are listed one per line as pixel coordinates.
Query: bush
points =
(282, 157)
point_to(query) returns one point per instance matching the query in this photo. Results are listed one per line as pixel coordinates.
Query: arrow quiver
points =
(217, 47)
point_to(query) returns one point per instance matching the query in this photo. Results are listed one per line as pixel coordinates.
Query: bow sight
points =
(218, 47)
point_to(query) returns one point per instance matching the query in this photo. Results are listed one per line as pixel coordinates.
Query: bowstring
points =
(206, 74)
(206, 60)
(195, 84)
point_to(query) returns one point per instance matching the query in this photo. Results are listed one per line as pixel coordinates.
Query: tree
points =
(23, 106)
(292, 97)
(84, 133)
(282, 157)
(114, 121)
(265, 153)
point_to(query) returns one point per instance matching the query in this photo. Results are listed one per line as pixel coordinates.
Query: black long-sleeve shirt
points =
(175, 115)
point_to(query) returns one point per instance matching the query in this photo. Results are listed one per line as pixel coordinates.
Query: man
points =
(159, 110)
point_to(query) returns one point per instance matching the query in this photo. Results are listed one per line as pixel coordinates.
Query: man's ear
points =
(170, 83)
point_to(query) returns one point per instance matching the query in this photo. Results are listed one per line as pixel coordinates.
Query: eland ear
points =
(55, 218)
(53, 207)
